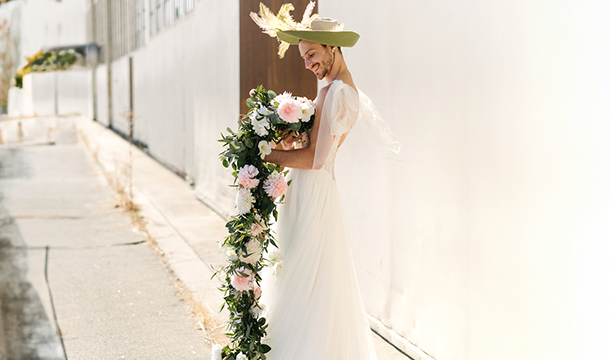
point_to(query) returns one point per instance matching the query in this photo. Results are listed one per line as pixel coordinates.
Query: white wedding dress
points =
(314, 307)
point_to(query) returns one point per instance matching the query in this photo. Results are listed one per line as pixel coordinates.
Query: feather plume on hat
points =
(283, 21)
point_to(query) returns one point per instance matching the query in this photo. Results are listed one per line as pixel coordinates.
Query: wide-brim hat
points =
(325, 31)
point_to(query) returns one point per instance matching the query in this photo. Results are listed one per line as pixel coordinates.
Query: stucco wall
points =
(484, 238)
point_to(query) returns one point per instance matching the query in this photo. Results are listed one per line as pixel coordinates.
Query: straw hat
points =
(312, 28)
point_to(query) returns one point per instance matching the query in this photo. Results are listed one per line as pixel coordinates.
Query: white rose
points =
(254, 252)
(241, 356)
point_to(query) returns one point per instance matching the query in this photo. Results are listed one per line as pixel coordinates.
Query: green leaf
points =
(250, 103)
(266, 348)
(249, 143)
(294, 126)
(274, 119)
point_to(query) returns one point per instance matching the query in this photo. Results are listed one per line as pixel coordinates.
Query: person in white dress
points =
(314, 306)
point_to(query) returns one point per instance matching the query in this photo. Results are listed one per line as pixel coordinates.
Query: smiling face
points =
(318, 58)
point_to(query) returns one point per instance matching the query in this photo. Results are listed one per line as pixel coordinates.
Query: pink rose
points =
(252, 92)
(290, 111)
(246, 177)
(241, 282)
(275, 185)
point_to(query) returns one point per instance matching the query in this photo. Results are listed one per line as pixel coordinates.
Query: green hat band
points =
(332, 38)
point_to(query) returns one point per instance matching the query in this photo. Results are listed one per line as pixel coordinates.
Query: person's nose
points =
(308, 64)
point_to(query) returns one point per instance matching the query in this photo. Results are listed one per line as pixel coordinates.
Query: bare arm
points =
(301, 158)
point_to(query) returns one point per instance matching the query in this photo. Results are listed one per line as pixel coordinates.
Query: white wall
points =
(46, 24)
(485, 238)
(186, 90)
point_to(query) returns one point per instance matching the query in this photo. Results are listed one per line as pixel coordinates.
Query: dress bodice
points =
(329, 164)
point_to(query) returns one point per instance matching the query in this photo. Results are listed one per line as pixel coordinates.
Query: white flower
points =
(216, 352)
(257, 310)
(230, 253)
(241, 356)
(277, 268)
(275, 256)
(261, 126)
(308, 109)
(254, 251)
(264, 111)
(264, 148)
(244, 201)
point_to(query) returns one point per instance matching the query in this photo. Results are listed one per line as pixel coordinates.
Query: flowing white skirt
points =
(314, 306)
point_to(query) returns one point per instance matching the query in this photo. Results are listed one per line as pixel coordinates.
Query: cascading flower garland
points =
(259, 186)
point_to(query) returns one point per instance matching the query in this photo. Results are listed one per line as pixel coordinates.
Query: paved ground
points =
(70, 262)
(77, 267)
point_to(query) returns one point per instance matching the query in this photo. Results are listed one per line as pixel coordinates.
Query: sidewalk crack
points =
(46, 278)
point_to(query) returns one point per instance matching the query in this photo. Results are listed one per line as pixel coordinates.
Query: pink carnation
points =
(290, 111)
(241, 282)
(275, 185)
(246, 177)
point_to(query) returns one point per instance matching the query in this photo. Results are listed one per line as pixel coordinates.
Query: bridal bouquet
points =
(259, 185)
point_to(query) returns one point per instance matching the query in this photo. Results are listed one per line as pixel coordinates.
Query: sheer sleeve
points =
(378, 129)
(339, 115)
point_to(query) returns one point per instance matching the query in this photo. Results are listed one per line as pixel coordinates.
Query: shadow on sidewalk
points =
(26, 331)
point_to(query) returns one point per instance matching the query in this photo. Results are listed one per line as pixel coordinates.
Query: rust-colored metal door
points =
(259, 62)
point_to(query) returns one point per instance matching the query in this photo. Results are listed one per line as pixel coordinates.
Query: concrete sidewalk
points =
(186, 230)
(112, 296)
(76, 280)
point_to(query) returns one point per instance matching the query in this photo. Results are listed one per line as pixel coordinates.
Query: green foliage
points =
(46, 61)
(241, 148)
